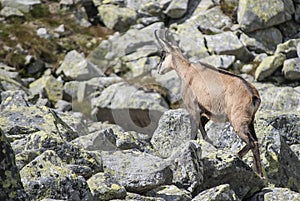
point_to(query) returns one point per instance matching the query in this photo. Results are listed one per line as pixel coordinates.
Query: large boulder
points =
(220, 167)
(175, 128)
(137, 171)
(254, 15)
(268, 66)
(103, 187)
(24, 6)
(291, 69)
(76, 67)
(47, 177)
(227, 43)
(116, 17)
(129, 107)
(186, 166)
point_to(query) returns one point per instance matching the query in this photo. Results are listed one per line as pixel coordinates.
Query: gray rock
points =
(275, 193)
(193, 47)
(63, 106)
(277, 131)
(265, 40)
(220, 167)
(291, 69)
(253, 16)
(137, 197)
(108, 53)
(297, 13)
(117, 18)
(136, 171)
(47, 177)
(177, 9)
(222, 192)
(13, 99)
(95, 141)
(211, 21)
(289, 48)
(298, 49)
(186, 166)
(68, 153)
(175, 128)
(24, 6)
(103, 187)
(219, 61)
(129, 107)
(227, 43)
(11, 186)
(268, 66)
(170, 193)
(128, 140)
(10, 79)
(43, 33)
(278, 98)
(8, 12)
(76, 67)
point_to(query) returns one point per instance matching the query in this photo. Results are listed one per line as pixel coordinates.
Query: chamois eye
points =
(163, 54)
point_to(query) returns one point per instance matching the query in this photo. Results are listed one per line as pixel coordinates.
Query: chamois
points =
(213, 94)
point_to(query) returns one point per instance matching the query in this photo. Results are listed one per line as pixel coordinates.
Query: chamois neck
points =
(182, 67)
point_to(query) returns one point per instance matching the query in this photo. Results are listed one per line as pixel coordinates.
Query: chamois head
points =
(169, 53)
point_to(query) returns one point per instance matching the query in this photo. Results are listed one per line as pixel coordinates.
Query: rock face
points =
(84, 115)
(11, 187)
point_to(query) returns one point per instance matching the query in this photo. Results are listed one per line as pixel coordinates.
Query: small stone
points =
(291, 69)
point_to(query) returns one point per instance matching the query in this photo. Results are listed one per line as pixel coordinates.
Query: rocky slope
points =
(85, 116)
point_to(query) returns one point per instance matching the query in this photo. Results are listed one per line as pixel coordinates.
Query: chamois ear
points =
(162, 42)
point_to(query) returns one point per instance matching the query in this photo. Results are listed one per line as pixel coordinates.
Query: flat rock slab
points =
(136, 171)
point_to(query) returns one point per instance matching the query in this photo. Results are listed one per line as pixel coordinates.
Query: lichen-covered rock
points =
(54, 89)
(222, 192)
(268, 66)
(13, 98)
(175, 127)
(41, 141)
(265, 40)
(47, 177)
(253, 15)
(76, 67)
(276, 131)
(109, 52)
(117, 18)
(177, 9)
(170, 193)
(219, 61)
(270, 194)
(227, 43)
(128, 140)
(136, 171)
(211, 21)
(11, 187)
(186, 166)
(19, 121)
(103, 187)
(291, 69)
(289, 48)
(220, 167)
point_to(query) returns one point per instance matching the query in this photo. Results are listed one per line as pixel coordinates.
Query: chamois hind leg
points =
(248, 135)
(203, 122)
